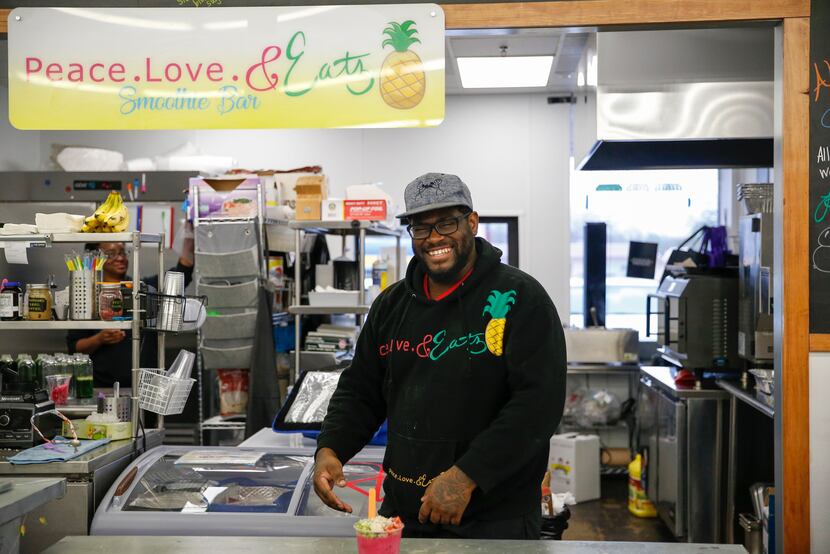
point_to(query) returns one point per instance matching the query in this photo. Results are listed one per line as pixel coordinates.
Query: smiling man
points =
(466, 359)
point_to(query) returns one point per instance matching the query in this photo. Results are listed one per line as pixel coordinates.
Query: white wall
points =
(819, 452)
(512, 150)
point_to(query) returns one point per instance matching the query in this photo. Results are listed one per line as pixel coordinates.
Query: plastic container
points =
(380, 273)
(58, 388)
(386, 544)
(27, 371)
(8, 370)
(638, 502)
(83, 377)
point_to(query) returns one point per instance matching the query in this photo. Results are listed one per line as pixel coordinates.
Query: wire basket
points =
(160, 394)
(164, 312)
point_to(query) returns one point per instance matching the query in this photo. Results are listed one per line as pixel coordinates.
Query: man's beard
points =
(465, 249)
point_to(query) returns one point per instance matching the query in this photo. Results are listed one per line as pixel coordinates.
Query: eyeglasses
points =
(112, 254)
(443, 227)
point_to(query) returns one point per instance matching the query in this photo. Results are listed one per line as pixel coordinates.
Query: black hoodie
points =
(475, 380)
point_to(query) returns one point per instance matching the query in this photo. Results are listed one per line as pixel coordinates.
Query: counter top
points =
(28, 493)
(88, 463)
(747, 395)
(663, 378)
(604, 369)
(200, 545)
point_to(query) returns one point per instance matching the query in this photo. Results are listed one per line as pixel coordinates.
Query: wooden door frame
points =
(794, 341)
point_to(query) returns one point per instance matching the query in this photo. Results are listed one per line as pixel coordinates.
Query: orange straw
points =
(373, 508)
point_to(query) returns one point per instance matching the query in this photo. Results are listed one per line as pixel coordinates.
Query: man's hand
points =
(446, 498)
(111, 336)
(328, 471)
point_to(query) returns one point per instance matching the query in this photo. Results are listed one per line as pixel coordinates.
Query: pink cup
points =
(388, 544)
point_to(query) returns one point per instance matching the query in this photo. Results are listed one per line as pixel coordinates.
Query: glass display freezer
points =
(186, 490)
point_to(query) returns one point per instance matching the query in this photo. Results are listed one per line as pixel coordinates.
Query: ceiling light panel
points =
(504, 71)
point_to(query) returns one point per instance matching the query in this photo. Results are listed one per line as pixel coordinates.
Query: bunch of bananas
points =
(111, 217)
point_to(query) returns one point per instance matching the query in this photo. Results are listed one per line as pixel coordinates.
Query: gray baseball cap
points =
(433, 191)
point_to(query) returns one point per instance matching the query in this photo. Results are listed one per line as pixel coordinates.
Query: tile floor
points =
(608, 518)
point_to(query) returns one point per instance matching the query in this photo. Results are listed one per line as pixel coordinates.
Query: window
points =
(649, 206)
(503, 233)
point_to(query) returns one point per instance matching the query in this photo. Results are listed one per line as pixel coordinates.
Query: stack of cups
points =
(182, 366)
(171, 309)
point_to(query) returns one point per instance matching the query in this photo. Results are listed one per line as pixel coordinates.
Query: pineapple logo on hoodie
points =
(498, 304)
(402, 79)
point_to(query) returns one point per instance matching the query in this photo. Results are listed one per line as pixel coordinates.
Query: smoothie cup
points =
(389, 543)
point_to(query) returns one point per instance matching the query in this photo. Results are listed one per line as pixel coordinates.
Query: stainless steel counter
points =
(602, 369)
(746, 395)
(87, 477)
(86, 464)
(663, 378)
(200, 545)
(27, 494)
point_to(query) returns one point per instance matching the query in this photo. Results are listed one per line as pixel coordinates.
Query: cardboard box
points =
(225, 197)
(310, 191)
(574, 465)
(285, 183)
(364, 210)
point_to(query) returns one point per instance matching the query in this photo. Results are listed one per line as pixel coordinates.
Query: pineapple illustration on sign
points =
(402, 79)
(498, 304)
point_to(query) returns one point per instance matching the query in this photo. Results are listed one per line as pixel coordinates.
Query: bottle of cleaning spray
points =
(638, 502)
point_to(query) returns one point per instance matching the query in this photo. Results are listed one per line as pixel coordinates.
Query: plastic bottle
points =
(638, 502)
(26, 371)
(380, 273)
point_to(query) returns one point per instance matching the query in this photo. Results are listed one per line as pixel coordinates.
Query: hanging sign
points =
(226, 68)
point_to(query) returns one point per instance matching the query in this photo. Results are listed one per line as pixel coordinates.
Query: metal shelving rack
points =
(137, 241)
(216, 423)
(629, 371)
(360, 229)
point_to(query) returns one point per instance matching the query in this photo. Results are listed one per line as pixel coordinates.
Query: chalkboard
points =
(820, 167)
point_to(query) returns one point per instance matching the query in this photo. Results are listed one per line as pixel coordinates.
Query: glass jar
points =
(11, 294)
(83, 377)
(38, 303)
(111, 301)
(26, 371)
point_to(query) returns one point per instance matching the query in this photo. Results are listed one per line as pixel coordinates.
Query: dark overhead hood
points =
(674, 99)
(678, 154)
